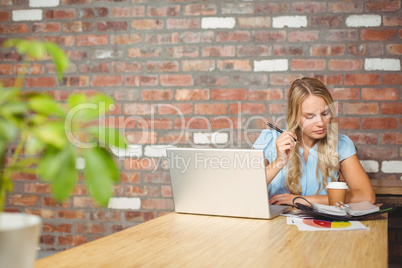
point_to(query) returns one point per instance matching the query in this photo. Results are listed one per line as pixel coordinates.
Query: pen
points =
(277, 129)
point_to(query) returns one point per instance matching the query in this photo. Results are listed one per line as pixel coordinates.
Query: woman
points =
(305, 167)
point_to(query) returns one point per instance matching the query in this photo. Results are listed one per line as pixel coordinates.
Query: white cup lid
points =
(337, 185)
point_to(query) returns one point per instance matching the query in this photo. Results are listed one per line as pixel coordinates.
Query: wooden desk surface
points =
(180, 240)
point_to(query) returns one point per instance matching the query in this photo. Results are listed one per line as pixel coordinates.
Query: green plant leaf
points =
(51, 133)
(14, 113)
(22, 47)
(7, 94)
(58, 168)
(34, 49)
(30, 94)
(12, 42)
(103, 101)
(108, 136)
(38, 119)
(46, 105)
(64, 182)
(75, 99)
(77, 113)
(49, 163)
(98, 175)
(7, 183)
(8, 131)
(15, 107)
(3, 147)
(33, 145)
(89, 109)
(100, 109)
(37, 50)
(26, 163)
(110, 164)
(59, 58)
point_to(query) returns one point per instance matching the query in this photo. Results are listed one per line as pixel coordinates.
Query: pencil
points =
(277, 129)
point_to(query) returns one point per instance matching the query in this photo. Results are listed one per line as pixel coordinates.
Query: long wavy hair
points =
(328, 158)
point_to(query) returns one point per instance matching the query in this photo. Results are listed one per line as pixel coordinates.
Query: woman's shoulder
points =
(345, 140)
(346, 147)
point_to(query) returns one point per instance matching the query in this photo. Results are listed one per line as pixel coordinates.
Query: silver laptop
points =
(224, 182)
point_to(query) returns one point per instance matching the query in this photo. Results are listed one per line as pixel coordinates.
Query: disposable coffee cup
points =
(336, 192)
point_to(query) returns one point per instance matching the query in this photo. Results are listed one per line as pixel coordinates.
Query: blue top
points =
(309, 184)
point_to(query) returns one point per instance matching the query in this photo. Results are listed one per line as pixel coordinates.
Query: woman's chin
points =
(319, 135)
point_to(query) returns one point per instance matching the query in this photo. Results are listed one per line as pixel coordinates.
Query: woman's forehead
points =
(312, 104)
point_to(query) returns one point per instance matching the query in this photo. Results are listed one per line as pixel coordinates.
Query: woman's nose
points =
(320, 120)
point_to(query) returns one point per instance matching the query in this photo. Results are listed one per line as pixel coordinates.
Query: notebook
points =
(351, 209)
(221, 182)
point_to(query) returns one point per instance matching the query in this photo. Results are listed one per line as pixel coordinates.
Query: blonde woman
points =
(305, 167)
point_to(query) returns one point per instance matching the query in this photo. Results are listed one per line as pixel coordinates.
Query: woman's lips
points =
(319, 131)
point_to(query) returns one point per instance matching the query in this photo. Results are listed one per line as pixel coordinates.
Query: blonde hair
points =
(328, 158)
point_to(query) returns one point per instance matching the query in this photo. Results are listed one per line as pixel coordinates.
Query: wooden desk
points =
(180, 240)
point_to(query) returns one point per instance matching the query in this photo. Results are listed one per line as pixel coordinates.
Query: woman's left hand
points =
(282, 199)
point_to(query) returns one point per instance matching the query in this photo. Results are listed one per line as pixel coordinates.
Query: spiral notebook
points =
(352, 211)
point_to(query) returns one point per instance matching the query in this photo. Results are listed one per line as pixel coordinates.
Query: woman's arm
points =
(287, 199)
(284, 146)
(357, 180)
(272, 169)
(353, 173)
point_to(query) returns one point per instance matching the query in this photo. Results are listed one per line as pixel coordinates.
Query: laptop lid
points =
(225, 182)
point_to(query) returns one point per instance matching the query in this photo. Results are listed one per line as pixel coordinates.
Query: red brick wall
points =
(195, 68)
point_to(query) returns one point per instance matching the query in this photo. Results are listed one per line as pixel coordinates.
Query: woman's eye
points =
(310, 117)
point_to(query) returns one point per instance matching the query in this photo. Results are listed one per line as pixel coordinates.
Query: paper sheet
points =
(322, 225)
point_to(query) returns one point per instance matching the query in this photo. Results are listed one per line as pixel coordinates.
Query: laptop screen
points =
(226, 182)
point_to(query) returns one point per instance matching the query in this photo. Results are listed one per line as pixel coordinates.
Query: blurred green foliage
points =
(47, 137)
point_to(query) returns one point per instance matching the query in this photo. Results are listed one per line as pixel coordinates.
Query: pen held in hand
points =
(278, 129)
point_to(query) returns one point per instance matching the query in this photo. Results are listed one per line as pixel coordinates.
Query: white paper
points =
(322, 225)
(289, 220)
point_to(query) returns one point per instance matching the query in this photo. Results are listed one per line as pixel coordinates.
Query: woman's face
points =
(315, 118)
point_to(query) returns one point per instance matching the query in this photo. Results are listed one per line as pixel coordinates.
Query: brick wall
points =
(205, 73)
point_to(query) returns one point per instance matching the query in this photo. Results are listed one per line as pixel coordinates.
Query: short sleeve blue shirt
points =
(266, 141)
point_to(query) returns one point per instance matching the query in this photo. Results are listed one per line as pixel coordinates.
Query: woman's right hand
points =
(284, 146)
